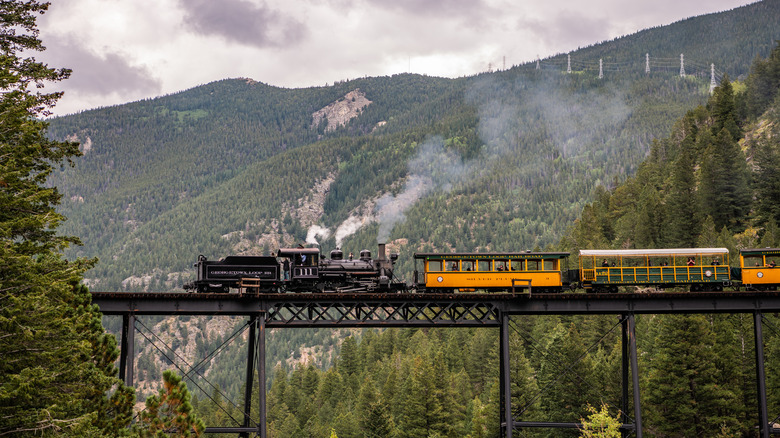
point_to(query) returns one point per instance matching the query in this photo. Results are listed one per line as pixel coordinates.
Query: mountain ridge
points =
(164, 179)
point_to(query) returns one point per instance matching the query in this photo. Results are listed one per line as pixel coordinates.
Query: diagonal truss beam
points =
(382, 313)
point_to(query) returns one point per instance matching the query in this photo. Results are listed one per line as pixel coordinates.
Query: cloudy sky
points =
(125, 50)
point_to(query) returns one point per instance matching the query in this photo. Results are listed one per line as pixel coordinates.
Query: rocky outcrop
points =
(342, 111)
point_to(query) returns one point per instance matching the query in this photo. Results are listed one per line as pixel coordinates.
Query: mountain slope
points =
(508, 158)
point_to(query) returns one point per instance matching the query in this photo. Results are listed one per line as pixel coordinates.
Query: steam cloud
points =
(433, 168)
(314, 231)
(349, 227)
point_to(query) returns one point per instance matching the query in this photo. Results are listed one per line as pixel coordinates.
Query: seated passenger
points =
(771, 264)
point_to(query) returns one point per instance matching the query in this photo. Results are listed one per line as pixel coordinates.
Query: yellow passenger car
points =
(760, 268)
(696, 268)
(490, 272)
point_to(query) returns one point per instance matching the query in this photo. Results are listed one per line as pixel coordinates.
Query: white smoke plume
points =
(349, 227)
(433, 168)
(314, 232)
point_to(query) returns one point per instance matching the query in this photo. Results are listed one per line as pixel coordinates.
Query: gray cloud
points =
(568, 29)
(243, 22)
(93, 74)
(471, 11)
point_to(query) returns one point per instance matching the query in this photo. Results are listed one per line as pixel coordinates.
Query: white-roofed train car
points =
(699, 269)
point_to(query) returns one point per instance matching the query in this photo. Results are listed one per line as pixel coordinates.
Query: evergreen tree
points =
(169, 413)
(349, 360)
(649, 218)
(682, 212)
(378, 423)
(723, 110)
(57, 362)
(422, 409)
(724, 189)
(767, 181)
(771, 236)
(562, 376)
(683, 391)
(763, 83)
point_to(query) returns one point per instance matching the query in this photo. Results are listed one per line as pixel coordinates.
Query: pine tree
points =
(682, 212)
(763, 83)
(723, 110)
(57, 364)
(724, 193)
(684, 395)
(562, 376)
(767, 181)
(169, 413)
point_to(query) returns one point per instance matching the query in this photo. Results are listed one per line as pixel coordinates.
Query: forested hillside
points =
(713, 182)
(510, 158)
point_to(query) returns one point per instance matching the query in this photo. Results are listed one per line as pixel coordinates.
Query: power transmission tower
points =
(712, 78)
(568, 63)
(601, 70)
(682, 66)
(647, 63)
(537, 62)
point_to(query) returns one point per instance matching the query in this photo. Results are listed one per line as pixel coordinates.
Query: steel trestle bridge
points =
(436, 310)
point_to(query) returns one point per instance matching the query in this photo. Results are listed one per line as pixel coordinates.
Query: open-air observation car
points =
(697, 268)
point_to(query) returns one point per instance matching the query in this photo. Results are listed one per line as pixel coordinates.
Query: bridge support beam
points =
(635, 375)
(250, 374)
(763, 416)
(624, 376)
(507, 422)
(127, 349)
(261, 374)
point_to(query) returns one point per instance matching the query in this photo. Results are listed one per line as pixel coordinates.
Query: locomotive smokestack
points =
(381, 252)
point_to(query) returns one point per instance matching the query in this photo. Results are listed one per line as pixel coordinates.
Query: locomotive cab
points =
(304, 262)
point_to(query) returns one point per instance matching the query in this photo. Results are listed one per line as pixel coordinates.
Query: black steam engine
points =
(298, 270)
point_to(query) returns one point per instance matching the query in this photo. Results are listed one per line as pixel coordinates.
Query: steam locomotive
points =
(298, 270)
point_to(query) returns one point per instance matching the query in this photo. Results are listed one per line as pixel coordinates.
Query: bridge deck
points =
(317, 310)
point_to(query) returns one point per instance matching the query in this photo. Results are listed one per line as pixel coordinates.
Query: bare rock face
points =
(342, 111)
